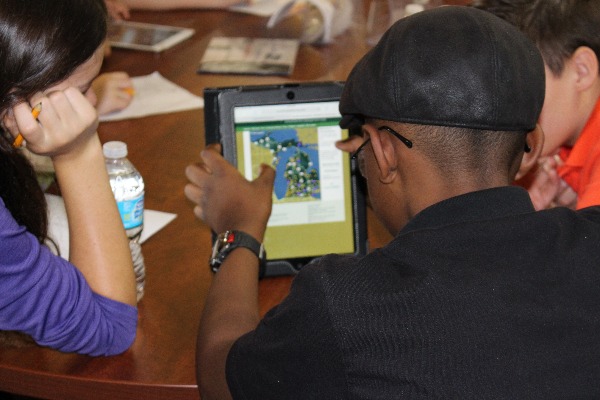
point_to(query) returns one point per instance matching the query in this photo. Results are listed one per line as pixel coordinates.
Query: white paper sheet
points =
(58, 225)
(156, 95)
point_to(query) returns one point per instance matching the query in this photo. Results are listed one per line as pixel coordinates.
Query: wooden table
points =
(161, 362)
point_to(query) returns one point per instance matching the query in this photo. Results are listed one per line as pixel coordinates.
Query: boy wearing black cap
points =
(477, 296)
(567, 32)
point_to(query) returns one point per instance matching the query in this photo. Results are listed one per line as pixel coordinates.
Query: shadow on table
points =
(9, 396)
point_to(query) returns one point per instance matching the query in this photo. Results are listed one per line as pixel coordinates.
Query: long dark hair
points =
(41, 44)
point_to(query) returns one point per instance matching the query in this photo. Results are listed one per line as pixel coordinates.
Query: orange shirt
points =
(581, 168)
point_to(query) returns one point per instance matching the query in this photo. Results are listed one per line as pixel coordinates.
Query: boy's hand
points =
(224, 199)
(566, 196)
(350, 144)
(547, 189)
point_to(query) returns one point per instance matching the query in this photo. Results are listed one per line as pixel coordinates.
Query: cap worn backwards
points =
(451, 66)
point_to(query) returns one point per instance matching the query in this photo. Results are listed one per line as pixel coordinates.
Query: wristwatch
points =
(232, 239)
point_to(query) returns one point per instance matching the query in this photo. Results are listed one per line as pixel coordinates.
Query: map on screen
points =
(294, 155)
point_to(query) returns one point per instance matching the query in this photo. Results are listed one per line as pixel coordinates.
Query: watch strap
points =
(232, 239)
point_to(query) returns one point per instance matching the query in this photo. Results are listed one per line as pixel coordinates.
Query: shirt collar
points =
(579, 154)
(474, 206)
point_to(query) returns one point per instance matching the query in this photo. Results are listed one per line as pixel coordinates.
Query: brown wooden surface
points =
(161, 362)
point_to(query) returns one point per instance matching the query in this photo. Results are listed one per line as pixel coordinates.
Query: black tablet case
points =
(218, 116)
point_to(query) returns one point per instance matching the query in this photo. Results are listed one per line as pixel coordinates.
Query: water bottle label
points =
(132, 212)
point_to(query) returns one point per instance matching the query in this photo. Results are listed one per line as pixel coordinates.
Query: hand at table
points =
(67, 120)
(224, 199)
(114, 91)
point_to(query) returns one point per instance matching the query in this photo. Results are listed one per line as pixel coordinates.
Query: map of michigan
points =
(293, 153)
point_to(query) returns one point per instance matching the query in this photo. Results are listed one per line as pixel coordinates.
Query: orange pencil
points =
(130, 91)
(35, 112)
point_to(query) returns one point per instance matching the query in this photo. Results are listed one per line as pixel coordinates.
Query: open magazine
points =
(242, 55)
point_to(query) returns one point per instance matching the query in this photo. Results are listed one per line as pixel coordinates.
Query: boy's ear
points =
(384, 152)
(585, 62)
(534, 142)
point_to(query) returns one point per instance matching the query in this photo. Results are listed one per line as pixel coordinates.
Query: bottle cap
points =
(114, 149)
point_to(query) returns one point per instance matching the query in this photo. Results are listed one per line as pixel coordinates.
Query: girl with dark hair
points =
(49, 57)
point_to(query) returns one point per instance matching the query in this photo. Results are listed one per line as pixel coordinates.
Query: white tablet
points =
(147, 37)
(318, 206)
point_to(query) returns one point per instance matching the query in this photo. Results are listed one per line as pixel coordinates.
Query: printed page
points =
(241, 55)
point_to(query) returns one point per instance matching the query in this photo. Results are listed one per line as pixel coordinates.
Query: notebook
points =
(318, 203)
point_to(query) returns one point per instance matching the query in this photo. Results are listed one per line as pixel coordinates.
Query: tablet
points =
(147, 37)
(318, 207)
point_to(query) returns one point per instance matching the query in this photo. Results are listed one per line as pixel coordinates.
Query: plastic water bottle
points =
(128, 188)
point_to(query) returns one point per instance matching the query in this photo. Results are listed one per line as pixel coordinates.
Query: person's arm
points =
(230, 311)
(225, 200)
(75, 319)
(172, 4)
(98, 245)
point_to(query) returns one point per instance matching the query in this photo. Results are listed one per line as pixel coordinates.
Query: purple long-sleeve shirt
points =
(48, 298)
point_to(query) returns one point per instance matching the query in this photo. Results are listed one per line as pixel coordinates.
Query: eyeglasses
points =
(404, 140)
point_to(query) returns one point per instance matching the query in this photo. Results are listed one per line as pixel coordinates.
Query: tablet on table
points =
(318, 204)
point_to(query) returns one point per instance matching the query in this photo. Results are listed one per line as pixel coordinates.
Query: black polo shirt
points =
(478, 297)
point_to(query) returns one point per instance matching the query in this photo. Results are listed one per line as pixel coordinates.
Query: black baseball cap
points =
(451, 66)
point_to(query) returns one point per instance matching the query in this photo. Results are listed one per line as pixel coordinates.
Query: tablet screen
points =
(312, 199)
(145, 36)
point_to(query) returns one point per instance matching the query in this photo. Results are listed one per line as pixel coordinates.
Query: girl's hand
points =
(114, 91)
(67, 120)
(117, 10)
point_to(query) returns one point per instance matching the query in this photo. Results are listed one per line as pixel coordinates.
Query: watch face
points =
(221, 248)
(228, 241)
